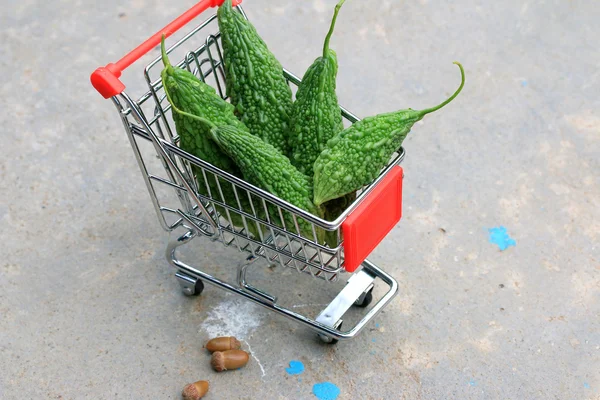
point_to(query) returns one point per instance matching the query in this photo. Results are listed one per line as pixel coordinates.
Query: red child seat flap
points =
(373, 219)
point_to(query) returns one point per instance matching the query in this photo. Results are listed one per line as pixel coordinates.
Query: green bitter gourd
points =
(265, 167)
(188, 95)
(316, 115)
(355, 156)
(255, 80)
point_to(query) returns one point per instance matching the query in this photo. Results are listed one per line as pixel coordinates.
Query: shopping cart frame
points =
(209, 214)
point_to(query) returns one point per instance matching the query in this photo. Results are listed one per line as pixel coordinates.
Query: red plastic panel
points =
(373, 219)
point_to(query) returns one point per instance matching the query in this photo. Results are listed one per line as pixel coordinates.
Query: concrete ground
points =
(89, 307)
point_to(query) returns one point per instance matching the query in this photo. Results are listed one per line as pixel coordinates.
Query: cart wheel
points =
(365, 299)
(195, 290)
(328, 339)
(190, 285)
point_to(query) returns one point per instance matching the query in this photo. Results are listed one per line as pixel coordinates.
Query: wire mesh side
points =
(252, 222)
(248, 220)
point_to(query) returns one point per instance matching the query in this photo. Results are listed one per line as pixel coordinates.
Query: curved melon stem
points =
(332, 27)
(462, 84)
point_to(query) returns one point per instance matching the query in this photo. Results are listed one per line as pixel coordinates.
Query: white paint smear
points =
(234, 317)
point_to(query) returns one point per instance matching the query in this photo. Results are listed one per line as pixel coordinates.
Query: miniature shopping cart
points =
(179, 204)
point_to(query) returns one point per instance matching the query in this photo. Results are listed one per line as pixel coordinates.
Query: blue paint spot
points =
(373, 340)
(326, 391)
(524, 83)
(473, 382)
(376, 325)
(586, 385)
(500, 237)
(296, 368)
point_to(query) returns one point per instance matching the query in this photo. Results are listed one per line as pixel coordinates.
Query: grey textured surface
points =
(90, 309)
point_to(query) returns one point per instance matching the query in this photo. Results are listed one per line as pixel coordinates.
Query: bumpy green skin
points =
(355, 157)
(189, 95)
(316, 116)
(265, 167)
(255, 81)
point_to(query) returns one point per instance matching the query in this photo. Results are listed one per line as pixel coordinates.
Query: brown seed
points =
(195, 391)
(223, 344)
(230, 359)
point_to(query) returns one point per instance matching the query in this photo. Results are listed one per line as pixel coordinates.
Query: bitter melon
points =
(316, 115)
(265, 167)
(188, 96)
(255, 80)
(355, 156)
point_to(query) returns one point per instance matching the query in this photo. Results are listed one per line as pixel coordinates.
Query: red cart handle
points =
(106, 79)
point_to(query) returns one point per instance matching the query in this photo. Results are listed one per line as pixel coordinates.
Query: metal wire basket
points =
(264, 225)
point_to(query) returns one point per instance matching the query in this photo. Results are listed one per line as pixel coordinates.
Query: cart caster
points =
(190, 286)
(196, 290)
(328, 339)
(365, 299)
